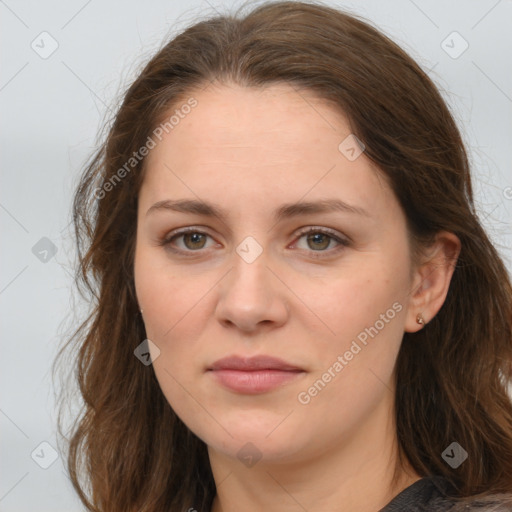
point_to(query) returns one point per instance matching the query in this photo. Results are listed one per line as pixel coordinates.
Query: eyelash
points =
(342, 242)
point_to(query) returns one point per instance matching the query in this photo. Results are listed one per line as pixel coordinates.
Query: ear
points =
(431, 280)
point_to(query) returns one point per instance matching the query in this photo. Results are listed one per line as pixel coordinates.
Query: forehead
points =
(277, 118)
(277, 140)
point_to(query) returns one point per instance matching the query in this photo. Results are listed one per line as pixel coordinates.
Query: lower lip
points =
(254, 382)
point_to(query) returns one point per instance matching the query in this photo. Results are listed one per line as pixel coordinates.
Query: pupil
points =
(317, 239)
(195, 238)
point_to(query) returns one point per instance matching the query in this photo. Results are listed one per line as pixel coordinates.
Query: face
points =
(322, 287)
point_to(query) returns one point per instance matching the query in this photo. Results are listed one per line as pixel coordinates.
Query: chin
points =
(257, 451)
(260, 440)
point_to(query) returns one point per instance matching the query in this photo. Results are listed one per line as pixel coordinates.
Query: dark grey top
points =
(426, 494)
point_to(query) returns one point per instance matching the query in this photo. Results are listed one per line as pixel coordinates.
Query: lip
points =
(254, 363)
(253, 375)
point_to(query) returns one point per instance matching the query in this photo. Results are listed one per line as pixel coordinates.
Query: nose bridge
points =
(250, 293)
(248, 277)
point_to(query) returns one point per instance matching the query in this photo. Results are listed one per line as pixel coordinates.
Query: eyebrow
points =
(286, 211)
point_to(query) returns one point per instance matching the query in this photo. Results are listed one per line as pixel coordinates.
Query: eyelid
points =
(176, 233)
(328, 231)
(342, 241)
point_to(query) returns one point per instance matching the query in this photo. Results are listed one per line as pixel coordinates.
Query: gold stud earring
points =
(419, 319)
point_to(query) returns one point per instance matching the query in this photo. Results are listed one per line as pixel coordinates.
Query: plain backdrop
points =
(63, 65)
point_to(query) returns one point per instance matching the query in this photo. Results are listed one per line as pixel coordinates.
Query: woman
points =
(296, 306)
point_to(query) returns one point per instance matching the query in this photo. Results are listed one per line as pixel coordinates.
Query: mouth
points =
(253, 375)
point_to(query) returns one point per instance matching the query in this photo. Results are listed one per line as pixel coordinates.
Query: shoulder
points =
(491, 503)
(428, 493)
(435, 494)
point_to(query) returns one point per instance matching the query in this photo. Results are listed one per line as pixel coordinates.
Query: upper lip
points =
(254, 363)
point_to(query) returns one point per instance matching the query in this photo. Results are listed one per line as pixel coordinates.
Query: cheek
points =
(169, 298)
(175, 310)
(359, 358)
(167, 318)
(356, 363)
(358, 307)
(355, 370)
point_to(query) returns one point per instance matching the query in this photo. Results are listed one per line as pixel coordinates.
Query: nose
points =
(251, 296)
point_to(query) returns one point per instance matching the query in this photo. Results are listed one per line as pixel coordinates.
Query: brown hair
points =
(452, 376)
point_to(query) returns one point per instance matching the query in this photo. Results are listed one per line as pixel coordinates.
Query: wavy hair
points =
(127, 450)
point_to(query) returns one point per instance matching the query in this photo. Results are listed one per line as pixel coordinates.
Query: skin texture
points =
(250, 151)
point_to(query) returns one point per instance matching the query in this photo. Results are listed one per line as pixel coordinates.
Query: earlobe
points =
(432, 280)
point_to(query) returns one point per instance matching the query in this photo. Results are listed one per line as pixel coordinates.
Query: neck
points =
(353, 475)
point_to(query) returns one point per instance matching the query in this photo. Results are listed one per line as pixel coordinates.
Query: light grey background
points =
(52, 109)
